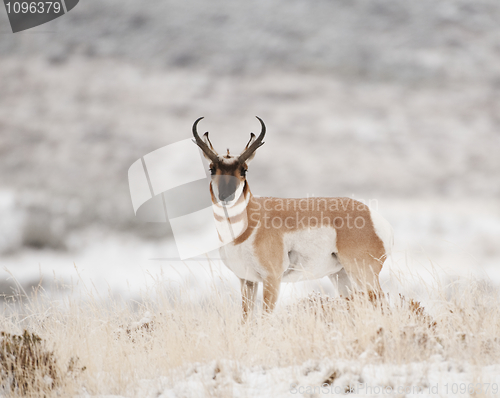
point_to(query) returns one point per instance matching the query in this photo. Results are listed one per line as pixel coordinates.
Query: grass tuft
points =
(27, 367)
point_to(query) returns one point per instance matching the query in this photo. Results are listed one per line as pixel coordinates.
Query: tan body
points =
(274, 240)
(291, 240)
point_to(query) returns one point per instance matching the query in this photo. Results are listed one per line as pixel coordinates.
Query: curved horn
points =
(256, 144)
(204, 147)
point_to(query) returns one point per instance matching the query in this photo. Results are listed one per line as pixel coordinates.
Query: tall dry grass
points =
(108, 346)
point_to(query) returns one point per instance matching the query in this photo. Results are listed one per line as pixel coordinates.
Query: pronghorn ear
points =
(206, 140)
(252, 139)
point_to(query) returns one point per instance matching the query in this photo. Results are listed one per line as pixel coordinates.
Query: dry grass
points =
(120, 343)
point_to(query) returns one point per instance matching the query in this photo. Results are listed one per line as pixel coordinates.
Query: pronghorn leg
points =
(271, 292)
(248, 293)
(342, 282)
(364, 273)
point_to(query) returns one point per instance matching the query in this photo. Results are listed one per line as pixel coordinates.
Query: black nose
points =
(227, 188)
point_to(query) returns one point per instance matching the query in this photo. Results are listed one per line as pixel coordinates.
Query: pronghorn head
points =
(228, 171)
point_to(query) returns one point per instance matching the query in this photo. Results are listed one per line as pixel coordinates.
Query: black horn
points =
(204, 147)
(256, 144)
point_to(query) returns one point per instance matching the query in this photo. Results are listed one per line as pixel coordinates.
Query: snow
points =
(436, 377)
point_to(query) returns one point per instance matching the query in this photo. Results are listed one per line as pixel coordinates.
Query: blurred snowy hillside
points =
(389, 101)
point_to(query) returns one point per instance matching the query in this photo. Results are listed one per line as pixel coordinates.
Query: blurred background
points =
(396, 103)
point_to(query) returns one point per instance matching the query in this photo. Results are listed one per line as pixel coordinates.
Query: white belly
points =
(310, 254)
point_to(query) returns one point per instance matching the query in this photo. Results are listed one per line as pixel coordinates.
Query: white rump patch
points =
(383, 230)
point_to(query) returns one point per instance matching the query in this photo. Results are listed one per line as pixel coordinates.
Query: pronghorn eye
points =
(212, 170)
(243, 172)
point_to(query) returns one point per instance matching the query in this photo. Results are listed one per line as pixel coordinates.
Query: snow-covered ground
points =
(324, 378)
(438, 244)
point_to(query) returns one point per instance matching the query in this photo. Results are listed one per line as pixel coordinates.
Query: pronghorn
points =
(273, 240)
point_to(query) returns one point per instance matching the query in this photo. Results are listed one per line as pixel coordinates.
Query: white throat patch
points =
(234, 217)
